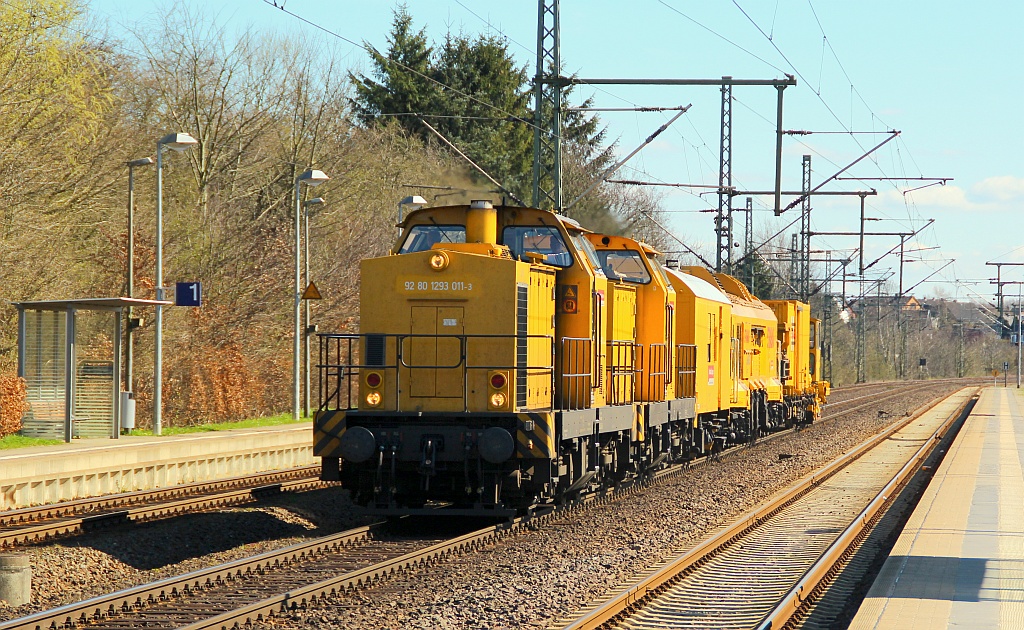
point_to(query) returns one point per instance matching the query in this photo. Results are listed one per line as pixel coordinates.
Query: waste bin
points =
(127, 410)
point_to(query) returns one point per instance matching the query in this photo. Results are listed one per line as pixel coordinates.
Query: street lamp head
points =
(313, 177)
(146, 161)
(315, 201)
(414, 202)
(178, 141)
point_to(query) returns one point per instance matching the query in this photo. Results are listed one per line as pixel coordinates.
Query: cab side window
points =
(544, 240)
(625, 265)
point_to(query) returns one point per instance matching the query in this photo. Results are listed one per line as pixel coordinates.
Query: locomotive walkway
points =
(94, 467)
(960, 559)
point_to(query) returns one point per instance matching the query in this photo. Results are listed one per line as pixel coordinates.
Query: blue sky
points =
(946, 74)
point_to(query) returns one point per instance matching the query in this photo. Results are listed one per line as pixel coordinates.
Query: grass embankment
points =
(20, 441)
(284, 418)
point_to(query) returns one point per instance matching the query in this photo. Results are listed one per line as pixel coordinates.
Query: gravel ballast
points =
(528, 580)
(95, 564)
(537, 578)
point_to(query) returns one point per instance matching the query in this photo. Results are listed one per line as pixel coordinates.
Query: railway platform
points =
(959, 562)
(92, 467)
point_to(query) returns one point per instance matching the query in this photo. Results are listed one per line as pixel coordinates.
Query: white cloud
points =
(998, 189)
(947, 196)
(937, 197)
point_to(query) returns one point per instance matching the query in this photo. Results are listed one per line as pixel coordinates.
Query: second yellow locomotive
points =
(508, 357)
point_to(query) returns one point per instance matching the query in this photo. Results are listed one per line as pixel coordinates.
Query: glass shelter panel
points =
(44, 374)
(95, 384)
(68, 347)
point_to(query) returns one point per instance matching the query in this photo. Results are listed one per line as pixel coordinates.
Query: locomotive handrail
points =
(324, 371)
(655, 376)
(686, 369)
(622, 371)
(342, 372)
(576, 353)
(339, 368)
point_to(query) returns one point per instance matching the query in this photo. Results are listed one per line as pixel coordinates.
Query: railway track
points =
(40, 523)
(248, 590)
(857, 397)
(771, 563)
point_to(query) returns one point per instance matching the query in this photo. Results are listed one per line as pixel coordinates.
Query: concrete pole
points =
(158, 342)
(305, 336)
(129, 358)
(298, 302)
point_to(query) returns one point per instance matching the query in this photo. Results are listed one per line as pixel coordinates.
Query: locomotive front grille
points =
(375, 350)
(522, 299)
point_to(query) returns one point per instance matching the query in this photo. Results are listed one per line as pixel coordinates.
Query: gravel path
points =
(528, 580)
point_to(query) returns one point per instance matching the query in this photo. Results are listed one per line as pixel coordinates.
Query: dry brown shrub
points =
(13, 403)
(216, 388)
(211, 378)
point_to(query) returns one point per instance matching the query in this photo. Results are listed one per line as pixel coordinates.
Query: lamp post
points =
(1018, 334)
(317, 201)
(312, 177)
(415, 202)
(176, 142)
(130, 351)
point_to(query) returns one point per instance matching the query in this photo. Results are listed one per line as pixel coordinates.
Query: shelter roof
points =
(88, 304)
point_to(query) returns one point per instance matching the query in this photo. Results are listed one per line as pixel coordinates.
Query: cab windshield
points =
(420, 238)
(625, 265)
(544, 240)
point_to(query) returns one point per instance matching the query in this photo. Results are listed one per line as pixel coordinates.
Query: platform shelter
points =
(69, 353)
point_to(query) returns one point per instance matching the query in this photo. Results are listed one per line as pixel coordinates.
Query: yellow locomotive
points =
(508, 357)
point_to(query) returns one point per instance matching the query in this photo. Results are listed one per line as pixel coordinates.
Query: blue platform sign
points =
(188, 294)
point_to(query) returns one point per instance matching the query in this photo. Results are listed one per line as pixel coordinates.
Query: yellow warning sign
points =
(311, 293)
(567, 298)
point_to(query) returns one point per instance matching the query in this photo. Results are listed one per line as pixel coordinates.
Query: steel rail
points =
(77, 506)
(70, 517)
(650, 586)
(887, 394)
(321, 591)
(80, 613)
(142, 596)
(871, 399)
(318, 592)
(809, 587)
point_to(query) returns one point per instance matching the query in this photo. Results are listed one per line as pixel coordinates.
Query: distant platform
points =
(959, 562)
(93, 467)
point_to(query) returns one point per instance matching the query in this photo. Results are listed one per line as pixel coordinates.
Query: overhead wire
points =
(529, 51)
(898, 164)
(698, 149)
(801, 75)
(722, 37)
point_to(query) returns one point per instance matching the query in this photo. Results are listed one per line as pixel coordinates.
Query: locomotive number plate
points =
(431, 285)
